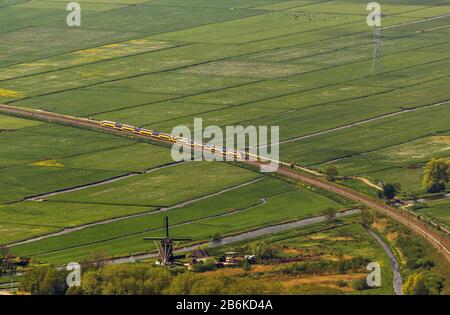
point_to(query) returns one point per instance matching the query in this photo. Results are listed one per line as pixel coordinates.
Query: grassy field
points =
(259, 204)
(163, 187)
(260, 63)
(38, 158)
(439, 210)
(316, 243)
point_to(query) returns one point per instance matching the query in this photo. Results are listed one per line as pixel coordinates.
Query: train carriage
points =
(146, 132)
(107, 123)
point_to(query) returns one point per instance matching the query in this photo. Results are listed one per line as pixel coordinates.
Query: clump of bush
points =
(414, 252)
(359, 284)
(342, 283)
(267, 251)
(216, 237)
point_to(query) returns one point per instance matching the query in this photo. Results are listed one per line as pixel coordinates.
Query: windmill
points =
(165, 249)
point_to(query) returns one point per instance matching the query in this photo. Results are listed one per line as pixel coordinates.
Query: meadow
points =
(261, 203)
(345, 240)
(438, 210)
(303, 65)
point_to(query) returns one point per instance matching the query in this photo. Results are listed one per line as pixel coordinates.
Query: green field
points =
(261, 203)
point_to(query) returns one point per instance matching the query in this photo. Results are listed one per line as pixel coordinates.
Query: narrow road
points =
(404, 217)
(397, 281)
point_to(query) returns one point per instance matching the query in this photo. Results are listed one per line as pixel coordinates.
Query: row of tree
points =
(140, 279)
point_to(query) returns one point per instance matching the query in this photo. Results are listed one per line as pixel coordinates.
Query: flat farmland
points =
(437, 210)
(303, 65)
(164, 187)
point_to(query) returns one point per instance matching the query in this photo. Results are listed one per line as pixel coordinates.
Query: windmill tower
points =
(165, 248)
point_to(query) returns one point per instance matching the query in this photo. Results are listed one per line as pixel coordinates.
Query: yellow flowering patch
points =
(48, 163)
(90, 51)
(9, 93)
(441, 139)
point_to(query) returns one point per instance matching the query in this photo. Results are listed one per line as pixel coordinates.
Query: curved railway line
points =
(439, 241)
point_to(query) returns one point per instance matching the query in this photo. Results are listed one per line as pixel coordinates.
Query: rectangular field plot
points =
(410, 179)
(239, 198)
(408, 97)
(174, 83)
(371, 136)
(358, 8)
(15, 232)
(439, 210)
(257, 70)
(84, 56)
(15, 18)
(86, 102)
(19, 182)
(154, 19)
(257, 28)
(130, 158)
(322, 96)
(225, 4)
(204, 229)
(13, 123)
(308, 121)
(48, 41)
(61, 5)
(411, 153)
(63, 215)
(220, 117)
(159, 112)
(166, 186)
(133, 70)
(408, 76)
(48, 141)
(43, 158)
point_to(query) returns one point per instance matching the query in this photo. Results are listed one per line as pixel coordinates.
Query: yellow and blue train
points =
(167, 137)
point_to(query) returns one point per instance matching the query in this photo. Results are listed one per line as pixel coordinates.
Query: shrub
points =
(206, 266)
(423, 283)
(44, 281)
(216, 237)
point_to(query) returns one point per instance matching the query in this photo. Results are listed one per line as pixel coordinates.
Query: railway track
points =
(404, 217)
